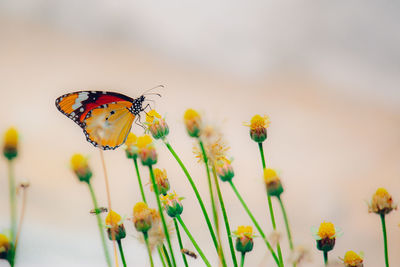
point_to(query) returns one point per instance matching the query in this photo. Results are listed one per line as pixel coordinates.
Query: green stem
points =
(285, 217)
(326, 258)
(146, 239)
(162, 214)
(121, 252)
(139, 180)
(13, 203)
(13, 210)
(210, 188)
(255, 222)
(228, 230)
(203, 209)
(242, 261)
(178, 234)
(271, 210)
(161, 256)
(286, 223)
(165, 252)
(100, 225)
(193, 241)
(385, 239)
(213, 205)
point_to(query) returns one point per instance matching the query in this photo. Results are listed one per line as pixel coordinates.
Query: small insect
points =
(105, 117)
(189, 253)
(99, 210)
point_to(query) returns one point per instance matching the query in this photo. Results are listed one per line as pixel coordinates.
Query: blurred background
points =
(326, 72)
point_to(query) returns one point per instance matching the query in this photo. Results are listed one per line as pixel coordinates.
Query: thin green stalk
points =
(193, 241)
(162, 214)
(178, 234)
(213, 205)
(326, 258)
(261, 232)
(242, 260)
(203, 209)
(165, 252)
(210, 188)
(161, 256)
(146, 239)
(385, 239)
(13, 202)
(100, 225)
(228, 229)
(271, 210)
(139, 180)
(121, 252)
(287, 225)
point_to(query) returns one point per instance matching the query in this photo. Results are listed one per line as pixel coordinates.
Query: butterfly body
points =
(105, 117)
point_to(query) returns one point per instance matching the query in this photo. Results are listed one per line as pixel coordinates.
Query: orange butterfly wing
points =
(108, 126)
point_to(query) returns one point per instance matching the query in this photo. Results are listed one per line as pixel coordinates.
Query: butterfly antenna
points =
(155, 87)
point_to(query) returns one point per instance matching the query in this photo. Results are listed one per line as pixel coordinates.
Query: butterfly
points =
(105, 117)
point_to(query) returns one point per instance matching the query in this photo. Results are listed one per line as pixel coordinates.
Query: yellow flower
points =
(244, 231)
(244, 239)
(144, 141)
(352, 259)
(326, 230)
(161, 181)
(272, 182)
(325, 236)
(10, 146)
(258, 128)
(113, 218)
(382, 202)
(131, 148)
(152, 115)
(79, 165)
(142, 217)
(172, 204)
(147, 152)
(224, 169)
(156, 125)
(192, 122)
(4, 246)
(115, 227)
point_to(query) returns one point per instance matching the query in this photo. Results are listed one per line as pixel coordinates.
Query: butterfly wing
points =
(77, 105)
(108, 125)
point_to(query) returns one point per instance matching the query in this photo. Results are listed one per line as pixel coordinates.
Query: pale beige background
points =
(334, 135)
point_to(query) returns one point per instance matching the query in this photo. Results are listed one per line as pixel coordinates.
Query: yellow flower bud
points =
(382, 202)
(272, 182)
(258, 128)
(143, 217)
(5, 246)
(192, 122)
(10, 146)
(147, 152)
(244, 240)
(156, 125)
(352, 259)
(131, 148)
(161, 181)
(115, 226)
(79, 165)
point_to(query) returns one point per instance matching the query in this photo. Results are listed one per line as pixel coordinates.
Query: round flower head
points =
(156, 125)
(79, 165)
(142, 217)
(147, 152)
(352, 259)
(382, 202)
(272, 182)
(5, 246)
(258, 128)
(325, 236)
(115, 226)
(130, 146)
(192, 121)
(244, 239)
(224, 169)
(172, 204)
(10, 146)
(161, 181)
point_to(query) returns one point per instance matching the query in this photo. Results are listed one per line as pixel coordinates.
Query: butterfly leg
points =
(140, 123)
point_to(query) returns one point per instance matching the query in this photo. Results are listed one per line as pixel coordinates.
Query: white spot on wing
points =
(82, 97)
